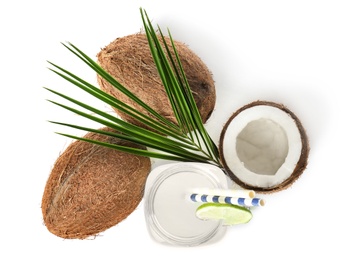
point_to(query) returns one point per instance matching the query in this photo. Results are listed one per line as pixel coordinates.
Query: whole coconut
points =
(92, 188)
(129, 61)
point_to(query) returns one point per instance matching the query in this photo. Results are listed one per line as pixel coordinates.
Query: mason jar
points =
(170, 214)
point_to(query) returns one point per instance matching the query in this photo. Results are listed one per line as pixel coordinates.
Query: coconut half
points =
(264, 147)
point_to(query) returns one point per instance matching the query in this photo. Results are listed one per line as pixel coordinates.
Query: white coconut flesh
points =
(262, 146)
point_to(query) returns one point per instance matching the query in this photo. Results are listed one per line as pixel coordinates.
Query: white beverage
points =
(170, 215)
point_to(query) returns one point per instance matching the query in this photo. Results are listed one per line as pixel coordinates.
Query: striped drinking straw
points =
(225, 192)
(248, 202)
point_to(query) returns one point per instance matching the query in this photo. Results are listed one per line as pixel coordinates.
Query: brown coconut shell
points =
(92, 188)
(301, 164)
(129, 61)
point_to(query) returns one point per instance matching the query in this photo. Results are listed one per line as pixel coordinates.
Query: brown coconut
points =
(129, 60)
(92, 188)
(298, 169)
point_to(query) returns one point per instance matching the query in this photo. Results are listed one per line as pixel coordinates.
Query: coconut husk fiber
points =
(128, 59)
(92, 188)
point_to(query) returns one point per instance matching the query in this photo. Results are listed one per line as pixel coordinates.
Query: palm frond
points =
(187, 140)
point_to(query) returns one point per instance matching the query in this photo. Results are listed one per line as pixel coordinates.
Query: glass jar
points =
(169, 212)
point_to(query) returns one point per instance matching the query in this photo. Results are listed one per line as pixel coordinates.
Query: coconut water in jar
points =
(170, 214)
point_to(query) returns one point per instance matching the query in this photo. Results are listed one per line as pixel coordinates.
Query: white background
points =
(303, 54)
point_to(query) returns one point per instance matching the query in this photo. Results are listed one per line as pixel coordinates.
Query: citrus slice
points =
(230, 214)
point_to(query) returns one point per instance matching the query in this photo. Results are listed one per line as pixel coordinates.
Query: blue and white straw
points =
(241, 193)
(247, 202)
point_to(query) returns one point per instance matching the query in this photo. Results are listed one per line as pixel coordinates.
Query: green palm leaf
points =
(187, 140)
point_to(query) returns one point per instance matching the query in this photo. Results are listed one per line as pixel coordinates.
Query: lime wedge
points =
(230, 214)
